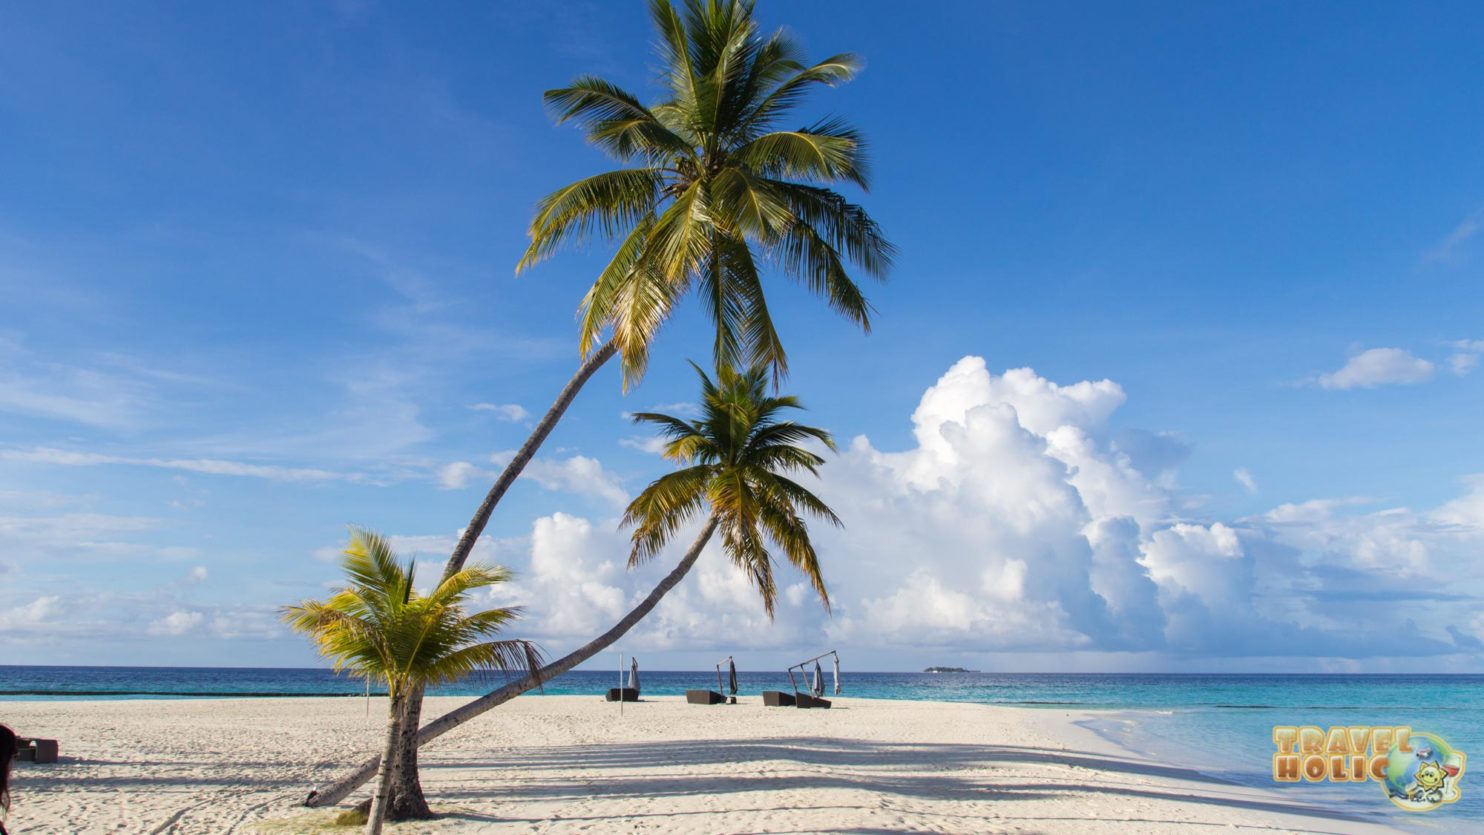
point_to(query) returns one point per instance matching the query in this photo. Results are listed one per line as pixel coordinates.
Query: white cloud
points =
(1244, 478)
(681, 408)
(504, 411)
(575, 576)
(1015, 524)
(31, 615)
(457, 475)
(1447, 249)
(1465, 356)
(177, 623)
(653, 445)
(38, 538)
(96, 395)
(1379, 367)
(207, 466)
(578, 474)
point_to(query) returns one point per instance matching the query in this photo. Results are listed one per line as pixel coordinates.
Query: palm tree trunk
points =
(377, 813)
(523, 457)
(337, 791)
(407, 801)
(407, 797)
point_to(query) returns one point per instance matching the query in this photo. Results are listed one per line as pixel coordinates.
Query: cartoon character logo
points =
(1425, 777)
(1429, 783)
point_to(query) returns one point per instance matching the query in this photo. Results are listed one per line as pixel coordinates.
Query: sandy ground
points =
(570, 764)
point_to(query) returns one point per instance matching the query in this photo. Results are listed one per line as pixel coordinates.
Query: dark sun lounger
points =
(36, 750)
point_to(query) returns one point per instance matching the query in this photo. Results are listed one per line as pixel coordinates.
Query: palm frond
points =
(607, 203)
(827, 152)
(615, 120)
(717, 189)
(380, 628)
(663, 507)
(740, 452)
(832, 71)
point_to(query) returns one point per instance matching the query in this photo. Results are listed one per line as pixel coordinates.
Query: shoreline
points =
(568, 763)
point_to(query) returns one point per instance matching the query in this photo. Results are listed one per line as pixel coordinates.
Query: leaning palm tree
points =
(379, 627)
(737, 461)
(713, 192)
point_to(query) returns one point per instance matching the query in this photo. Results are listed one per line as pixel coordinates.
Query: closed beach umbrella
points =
(818, 685)
(732, 675)
(634, 676)
(837, 675)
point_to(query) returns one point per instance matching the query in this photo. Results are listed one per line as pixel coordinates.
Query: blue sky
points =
(256, 284)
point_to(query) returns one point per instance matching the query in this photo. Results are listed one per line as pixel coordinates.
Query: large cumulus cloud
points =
(1022, 521)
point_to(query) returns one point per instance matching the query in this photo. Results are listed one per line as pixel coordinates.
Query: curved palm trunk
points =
(523, 457)
(407, 799)
(377, 813)
(337, 791)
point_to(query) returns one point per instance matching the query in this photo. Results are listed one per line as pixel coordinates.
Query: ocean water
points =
(1219, 724)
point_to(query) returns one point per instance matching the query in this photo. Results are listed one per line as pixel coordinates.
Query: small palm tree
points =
(379, 627)
(738, 456)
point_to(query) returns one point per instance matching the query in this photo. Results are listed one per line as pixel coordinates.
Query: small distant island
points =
(948, 670)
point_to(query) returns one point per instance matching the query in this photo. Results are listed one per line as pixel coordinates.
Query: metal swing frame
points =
(802, 672)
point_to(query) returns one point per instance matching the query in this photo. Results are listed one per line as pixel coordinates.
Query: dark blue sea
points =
(1220, 724)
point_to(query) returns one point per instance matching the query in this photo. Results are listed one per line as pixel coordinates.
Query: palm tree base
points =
(406, 806)
(414, 807)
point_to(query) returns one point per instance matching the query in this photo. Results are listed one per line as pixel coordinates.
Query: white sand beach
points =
(572, 764)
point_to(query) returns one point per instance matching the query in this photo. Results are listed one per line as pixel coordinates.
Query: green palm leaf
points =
(380, 628)
(738, 453)
(718, 191)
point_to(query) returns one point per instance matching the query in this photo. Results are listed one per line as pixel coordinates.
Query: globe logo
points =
(1426, 776)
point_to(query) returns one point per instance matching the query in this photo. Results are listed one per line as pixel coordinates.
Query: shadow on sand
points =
(566, 776)
(883, 769)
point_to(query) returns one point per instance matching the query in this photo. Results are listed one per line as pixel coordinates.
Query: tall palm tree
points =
(713, 191)
(738, 458)
(379, 627)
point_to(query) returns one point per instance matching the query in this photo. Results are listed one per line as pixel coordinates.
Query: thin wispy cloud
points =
(511, 412)
(577, 474)
(1451, 246)
(1244, 478)
(98, 397)
(1465, 356)
(652, 444)
(1379, 367)
(204, 466)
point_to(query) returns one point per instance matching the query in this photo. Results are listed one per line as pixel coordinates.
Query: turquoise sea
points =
(1219, 724)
